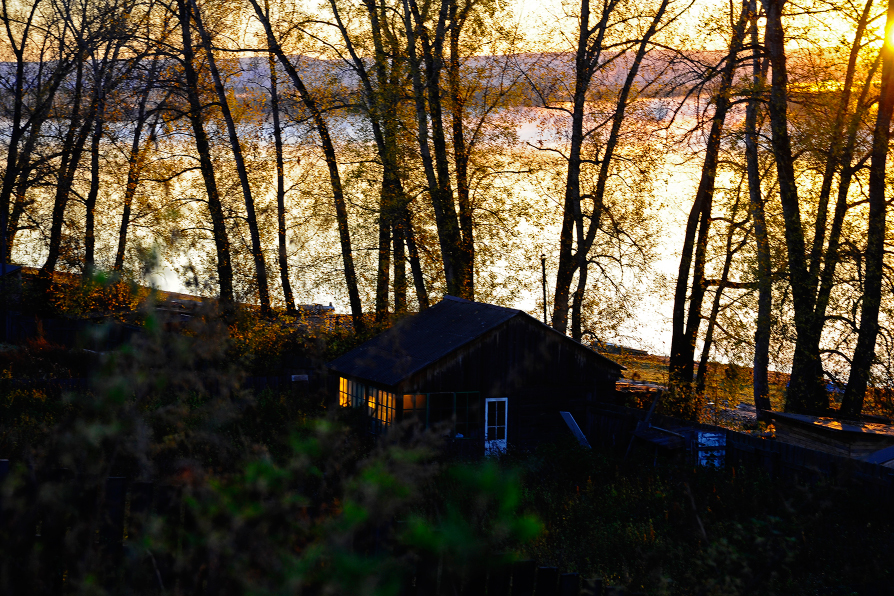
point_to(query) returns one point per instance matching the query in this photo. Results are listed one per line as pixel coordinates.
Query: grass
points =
(724, 383)
(675, 529)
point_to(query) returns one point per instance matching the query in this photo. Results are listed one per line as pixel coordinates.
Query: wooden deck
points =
(853, 439)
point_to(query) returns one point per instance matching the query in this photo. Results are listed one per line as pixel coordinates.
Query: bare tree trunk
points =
(685, 328)
(460, 151)
(835, 153)
(586, 63)
(18, 209)
(280, 189)
(586, 60)
(805, 393)
(400, 267)
(715, 305)
(341, 211)
(384, 260)
(24, 171)
(203, 148)
(764, 272)
(864, 353)
(578, 302)
(457, 268)
(415, 265)
(72, 149)
(257, 249)
(90, 203)
(135, 163)
(16, 161)
(425, 151)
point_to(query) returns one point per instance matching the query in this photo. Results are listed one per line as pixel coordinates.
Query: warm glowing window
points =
(351, 394)
(386, 408)
(415, 407)
(344, 396)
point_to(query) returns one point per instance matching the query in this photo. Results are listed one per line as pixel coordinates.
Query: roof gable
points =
(417, 341)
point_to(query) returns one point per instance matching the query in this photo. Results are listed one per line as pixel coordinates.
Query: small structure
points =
(487, 374)
(856, 440)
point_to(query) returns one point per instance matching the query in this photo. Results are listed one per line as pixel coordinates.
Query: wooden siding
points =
(541, 372)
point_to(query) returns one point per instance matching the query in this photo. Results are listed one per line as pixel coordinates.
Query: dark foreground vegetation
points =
(274, 492)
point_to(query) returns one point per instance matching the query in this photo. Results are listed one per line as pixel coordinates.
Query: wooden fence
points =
(613, 426)
(123, 508)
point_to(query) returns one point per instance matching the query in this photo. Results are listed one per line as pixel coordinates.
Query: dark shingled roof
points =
(419, 340)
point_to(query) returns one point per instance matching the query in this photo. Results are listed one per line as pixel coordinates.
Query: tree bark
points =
(586, 60)
(764, 272)
(135, 163)
(203, 148)
(457, 268)
(72, 149)
(864, 353)
(805, 393)
(586, 63)
(90, 203)
(685, 328)
(457, 18)
(280, 189)
(415, 265)
(701, 374)
(400, 267)
(341, 211)
(257, 249)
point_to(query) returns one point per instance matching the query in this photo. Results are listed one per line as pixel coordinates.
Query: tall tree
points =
(341, 211)
(864, 353)
(458, 268)
(196, 116)
(764, 271)
(282, 253)
(598, 48)
(257, 249)
(692, 260)
(812, 284)
(137, 155)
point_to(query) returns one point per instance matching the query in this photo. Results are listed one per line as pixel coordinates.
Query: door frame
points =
(492, 446)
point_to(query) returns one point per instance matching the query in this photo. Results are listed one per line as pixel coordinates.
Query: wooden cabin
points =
(489, 375)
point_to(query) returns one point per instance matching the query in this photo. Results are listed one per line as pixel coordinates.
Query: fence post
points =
(139, 572)
(569, 584)
(427, 577)
(523, 574)
(111, 530)
(476, 584)
(547, 581)
(592, 587)
(167, 506)
(498, 580)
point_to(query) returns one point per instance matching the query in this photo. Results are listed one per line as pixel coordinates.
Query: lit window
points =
(344, 394)
(351, 394)
(414, 407)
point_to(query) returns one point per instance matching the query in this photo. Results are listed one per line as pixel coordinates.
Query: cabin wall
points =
(542, 373)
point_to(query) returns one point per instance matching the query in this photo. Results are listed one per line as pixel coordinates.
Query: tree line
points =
(394, 150)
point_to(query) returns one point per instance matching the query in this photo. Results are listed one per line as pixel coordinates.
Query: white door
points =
(495, 409)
